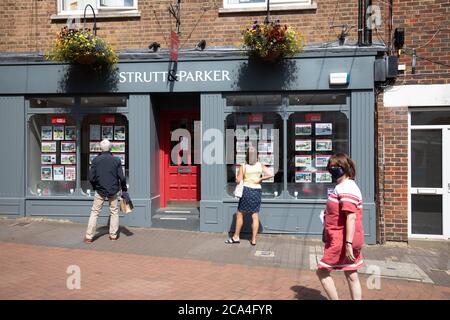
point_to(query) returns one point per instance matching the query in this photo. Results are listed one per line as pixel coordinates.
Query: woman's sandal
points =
(232, 241)
(253, 243)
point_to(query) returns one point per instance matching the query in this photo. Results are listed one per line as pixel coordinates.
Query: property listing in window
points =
(263, 131)
(94, 129)
(52, 144)
(312, 139)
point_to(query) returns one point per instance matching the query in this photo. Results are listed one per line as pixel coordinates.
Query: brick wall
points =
(392, 177)
(421, 20)
(33, 31)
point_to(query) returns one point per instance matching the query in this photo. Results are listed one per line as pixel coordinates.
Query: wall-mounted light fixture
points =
(154, 46)
(201, 45)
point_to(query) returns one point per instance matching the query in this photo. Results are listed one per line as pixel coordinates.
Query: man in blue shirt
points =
(107, 179)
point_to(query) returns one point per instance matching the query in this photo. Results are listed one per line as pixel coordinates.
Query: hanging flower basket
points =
(81, 47)
(272, 56)
(272, 41)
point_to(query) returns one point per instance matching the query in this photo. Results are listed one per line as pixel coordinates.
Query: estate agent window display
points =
(61, 145)
(305, 141)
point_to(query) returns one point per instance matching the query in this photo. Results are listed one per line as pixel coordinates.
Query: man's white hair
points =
(105, 145)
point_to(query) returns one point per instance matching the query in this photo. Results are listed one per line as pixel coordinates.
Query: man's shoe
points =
(86, 240)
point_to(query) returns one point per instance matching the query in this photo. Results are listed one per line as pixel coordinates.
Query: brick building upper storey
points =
(392, 116)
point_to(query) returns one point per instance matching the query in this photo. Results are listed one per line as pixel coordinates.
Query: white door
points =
(429, 214)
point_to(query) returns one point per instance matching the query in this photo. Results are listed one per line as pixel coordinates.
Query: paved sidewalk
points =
(168, 264)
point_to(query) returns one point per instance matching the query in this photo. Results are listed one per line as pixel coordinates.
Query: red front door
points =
(180, 175)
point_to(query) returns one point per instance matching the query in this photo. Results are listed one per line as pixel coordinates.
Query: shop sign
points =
(104, 119)
(58, 120)
(311, 117)
(179, 76)
(255, 117)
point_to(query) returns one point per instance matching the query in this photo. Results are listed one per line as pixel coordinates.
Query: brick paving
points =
(39, 272)
(168, 264)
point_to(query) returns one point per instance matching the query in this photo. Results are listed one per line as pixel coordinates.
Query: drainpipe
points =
(360, 23)
(367, 14)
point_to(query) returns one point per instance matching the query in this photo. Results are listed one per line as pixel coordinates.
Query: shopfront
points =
(181, 130)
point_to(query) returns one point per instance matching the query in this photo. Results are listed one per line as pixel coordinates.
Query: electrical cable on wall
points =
(424, 58)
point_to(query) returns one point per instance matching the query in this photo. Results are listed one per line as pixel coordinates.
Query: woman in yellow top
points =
(252, 174)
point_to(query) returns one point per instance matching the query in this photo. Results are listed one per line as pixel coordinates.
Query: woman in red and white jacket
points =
(343, 229)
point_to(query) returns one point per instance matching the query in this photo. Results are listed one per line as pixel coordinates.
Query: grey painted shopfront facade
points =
(211, 80)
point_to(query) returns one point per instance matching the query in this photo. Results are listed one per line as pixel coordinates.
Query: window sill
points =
(284, 7)
(100, 15)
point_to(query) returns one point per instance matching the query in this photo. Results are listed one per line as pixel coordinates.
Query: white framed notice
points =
(48, 158)
(266, 159)
(94, 146)
(58, 173)
(271, 180)
(118, 147)
(119, 133)
(71, 133)
(303, 161)
(68, 158)
(58, 132)
(241, 146)
(94, 133)
(323, 177)
(324, 129)
(324, 145)
(322, 160)
(70, 173)
(303, 129)
(303, 145)
(68, 147)
(47, 133)
(240, 158)
(303, 177)
(108, 132)
(46, 173)
(49, 146)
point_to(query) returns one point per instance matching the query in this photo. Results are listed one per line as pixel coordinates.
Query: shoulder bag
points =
(240, 186)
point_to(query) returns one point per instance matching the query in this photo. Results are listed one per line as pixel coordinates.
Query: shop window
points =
(312, 139)
(52, 155)
(264, 131)
(264, 100)
(52, 102)
(317, 99)
(77, 6)
(95, 128)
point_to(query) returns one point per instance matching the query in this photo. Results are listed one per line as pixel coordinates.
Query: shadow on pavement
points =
(104, 230)
(304, 293)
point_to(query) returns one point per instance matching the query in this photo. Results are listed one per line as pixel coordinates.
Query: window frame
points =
(230, 110)
(286, 110)
(263, 5)
(78, 118)
(98, 9)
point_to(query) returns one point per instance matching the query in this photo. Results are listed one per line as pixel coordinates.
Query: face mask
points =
(336, 172)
